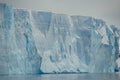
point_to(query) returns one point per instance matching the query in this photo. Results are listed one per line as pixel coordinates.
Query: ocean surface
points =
(110, 76)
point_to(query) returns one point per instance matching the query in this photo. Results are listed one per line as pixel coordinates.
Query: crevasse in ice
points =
(44, 42)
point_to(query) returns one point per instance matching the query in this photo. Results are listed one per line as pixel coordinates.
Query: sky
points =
(108, 10)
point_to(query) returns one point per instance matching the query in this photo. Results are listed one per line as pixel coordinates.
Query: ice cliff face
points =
(44, 42)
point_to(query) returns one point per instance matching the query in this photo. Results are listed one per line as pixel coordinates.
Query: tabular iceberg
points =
(44, 42)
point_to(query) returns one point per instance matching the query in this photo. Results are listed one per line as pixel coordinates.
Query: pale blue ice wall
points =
(10, 59)
(25, 42)
(18, 54)
(8, 49)
(35, 42)
(96, 43)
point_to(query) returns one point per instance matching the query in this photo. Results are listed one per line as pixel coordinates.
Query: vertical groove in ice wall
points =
(26, 42)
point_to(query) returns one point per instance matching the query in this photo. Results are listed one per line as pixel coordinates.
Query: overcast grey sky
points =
(108, 10)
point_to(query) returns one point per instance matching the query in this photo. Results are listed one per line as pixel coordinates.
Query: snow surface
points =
(44, 42)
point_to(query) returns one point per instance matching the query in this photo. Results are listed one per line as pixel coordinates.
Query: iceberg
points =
(34, 42)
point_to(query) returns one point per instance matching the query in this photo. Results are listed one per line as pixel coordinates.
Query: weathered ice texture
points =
(44, 42)
(10, 56)
(25, 42)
